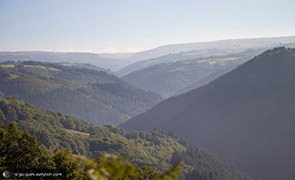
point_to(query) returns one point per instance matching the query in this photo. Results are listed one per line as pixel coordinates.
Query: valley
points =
(200, 111)
(245, 116)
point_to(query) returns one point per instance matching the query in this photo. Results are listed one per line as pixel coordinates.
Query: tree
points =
(145, 173)
(72, 168)
(171, 174)
(109, 167)
(22, 151)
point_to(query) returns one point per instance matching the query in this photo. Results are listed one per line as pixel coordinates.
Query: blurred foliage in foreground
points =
(22, 151)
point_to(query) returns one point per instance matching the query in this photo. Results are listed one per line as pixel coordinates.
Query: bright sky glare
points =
(134, 25)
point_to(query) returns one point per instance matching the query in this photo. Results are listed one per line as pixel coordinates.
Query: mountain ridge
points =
(245, 116)
(235, 45)
(108, 62)
(169, 78)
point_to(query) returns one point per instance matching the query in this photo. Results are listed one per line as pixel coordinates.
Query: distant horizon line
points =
(110, 51)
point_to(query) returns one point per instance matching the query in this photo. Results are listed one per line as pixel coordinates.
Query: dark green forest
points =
(155, 152)
(245, 116)
(96, 96)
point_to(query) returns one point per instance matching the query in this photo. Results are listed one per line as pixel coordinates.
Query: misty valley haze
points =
(236, 104)
(147, 90)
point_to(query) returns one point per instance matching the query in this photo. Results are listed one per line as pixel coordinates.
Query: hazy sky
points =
(132, 25)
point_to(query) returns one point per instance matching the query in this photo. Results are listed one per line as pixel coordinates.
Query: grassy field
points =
(7, 65)
(13, 76)
(30, 66)
(41, 67)
(218, 60)
(76, 132)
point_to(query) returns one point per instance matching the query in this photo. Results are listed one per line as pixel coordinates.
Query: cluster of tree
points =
(154, 149)
(21, 151)
(96, 96)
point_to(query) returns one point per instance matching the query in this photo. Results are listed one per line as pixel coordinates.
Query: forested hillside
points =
(170, 77)
(246, 116)
(93, 95)
(22, 157)
(102, 61)
(156, 149)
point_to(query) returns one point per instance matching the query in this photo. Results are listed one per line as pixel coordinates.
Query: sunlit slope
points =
(93, 95)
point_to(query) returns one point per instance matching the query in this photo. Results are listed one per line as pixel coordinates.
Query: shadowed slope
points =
(245, 117)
